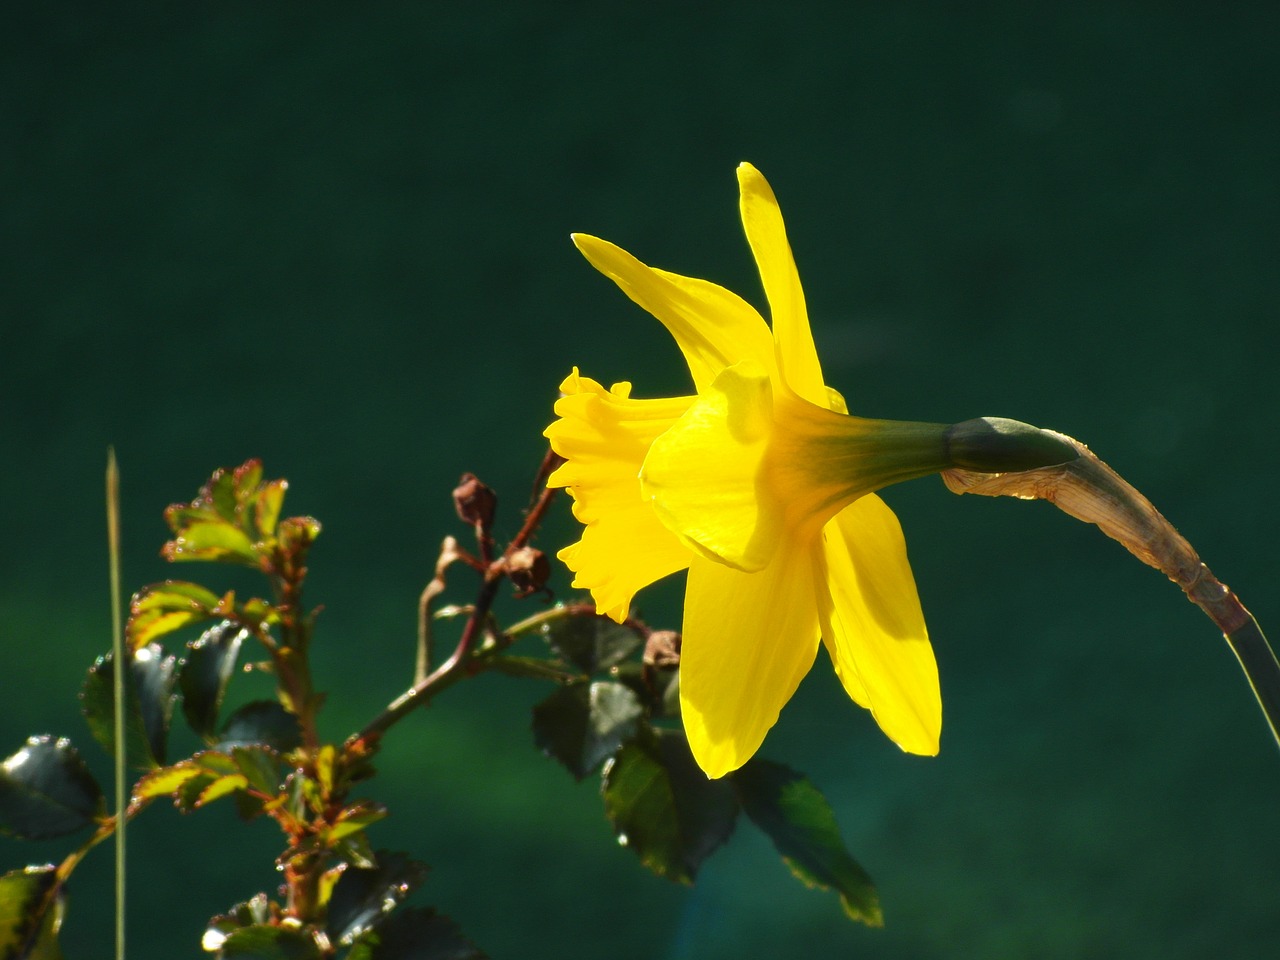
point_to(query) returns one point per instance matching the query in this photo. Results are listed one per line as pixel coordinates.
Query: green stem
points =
(120, 665)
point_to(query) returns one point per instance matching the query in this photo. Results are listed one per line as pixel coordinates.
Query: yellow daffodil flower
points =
(761, 485)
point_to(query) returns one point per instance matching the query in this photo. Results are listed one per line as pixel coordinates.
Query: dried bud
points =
(474, 501)
(662, 649)
(528, 569)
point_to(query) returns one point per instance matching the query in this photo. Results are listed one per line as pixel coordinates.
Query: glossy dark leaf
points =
(800, 822)
(664, 808)
(416, 933)
(584, 724)
(31, 906)
(47, 791)
(149, 700)
(262, 722)
(591, 643)
(262, 942)
(361, 899)
(210, 662)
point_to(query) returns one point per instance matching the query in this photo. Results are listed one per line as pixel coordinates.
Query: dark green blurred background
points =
(338, 240)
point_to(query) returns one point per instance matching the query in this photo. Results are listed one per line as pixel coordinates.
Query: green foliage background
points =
(337, 238)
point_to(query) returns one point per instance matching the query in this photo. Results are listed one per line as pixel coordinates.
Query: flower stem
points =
(1089, 490)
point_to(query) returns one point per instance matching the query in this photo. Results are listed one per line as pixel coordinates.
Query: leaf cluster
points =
(613, 712)
(615, 716)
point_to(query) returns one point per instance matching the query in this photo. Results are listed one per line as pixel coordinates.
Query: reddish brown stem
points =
(462, 660)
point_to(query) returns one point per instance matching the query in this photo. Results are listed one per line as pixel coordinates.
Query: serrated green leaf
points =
(260, 766)
(149, 700)
(583, 724)
(262, 942)
(591, 643)
(354, 818)
(262, 722)
(209, 665)
(361, 899)
(266, 507)
(220, 787)
(220, 491)
(174, 594)
(416, 933)
(663, 807)
(797, 818)
(188, 797)
(164, 782)
(31, 906)
(214, 540)
(164, 607)
(47, 791)
(194, 782)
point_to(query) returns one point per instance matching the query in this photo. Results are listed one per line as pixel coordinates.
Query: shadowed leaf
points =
(664, 808)
(362, 898)
(210, 662)
(800, 822)
(416, 934)
(262, 722)
(149, 700)
(582, 725)
(31, 905)
(591, 643)
(47, 791)
(262, 942)
(260, 766)
(254, 911)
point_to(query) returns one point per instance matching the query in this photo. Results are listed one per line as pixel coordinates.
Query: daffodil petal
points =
(604, 435)
(767, 235)
(713, 327)
(873, 627)
(749, 639)
(704, 475)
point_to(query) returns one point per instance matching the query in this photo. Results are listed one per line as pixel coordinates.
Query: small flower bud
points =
(529, 569)
(474, 501)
